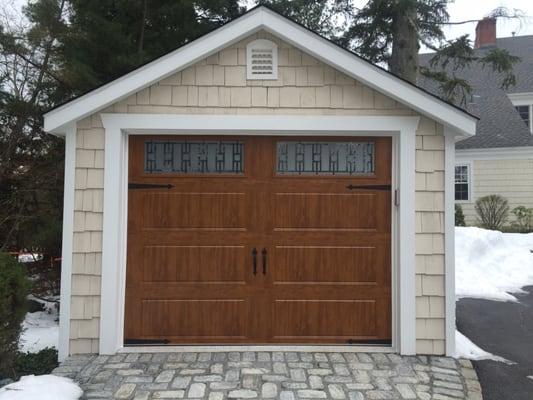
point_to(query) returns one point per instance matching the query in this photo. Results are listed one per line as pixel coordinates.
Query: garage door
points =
(258, 240)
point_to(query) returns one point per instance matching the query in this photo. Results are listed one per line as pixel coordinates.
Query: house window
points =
(262, 59)
(193, 157)
(462, 182)
(325, 158)
(523, 111)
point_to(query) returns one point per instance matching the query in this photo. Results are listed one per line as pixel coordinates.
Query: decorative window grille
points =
(462, 182)
(193, 157)
(325, 158)
(262, 59)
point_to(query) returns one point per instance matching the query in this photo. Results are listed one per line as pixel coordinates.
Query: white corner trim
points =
(114, 241)
(407, 312)
(67, 241)
(262, 18)
(449, 242)
(495, 153)
(119, 126)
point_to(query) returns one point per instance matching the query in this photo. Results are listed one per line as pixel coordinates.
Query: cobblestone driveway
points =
(287, 376)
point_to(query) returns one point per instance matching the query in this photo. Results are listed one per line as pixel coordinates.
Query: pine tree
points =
(108, 38)
(390, 32)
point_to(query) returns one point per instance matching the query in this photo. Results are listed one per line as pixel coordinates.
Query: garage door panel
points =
(348, 265)
(283, 249)
(188, 318)
(194, 264)
(335, 211)
(194, 210)
(350, 319)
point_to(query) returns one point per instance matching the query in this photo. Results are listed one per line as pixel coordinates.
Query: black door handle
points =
(254, 260)
(264, 254)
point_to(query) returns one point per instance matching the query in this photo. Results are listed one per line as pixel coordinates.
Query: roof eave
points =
(291, 32)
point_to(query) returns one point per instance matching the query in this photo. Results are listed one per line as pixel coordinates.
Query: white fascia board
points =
(369, 74)
(497, 153)
(521, 99)
(262, 18)
(152, 72)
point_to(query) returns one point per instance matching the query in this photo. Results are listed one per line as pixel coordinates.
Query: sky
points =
(459, 10)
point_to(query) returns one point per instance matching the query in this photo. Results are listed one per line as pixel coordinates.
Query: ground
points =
(494, 311)
(505, 329)
(287, 376)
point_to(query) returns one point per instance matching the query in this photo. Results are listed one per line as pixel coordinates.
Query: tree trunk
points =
(404, 56)
(143, 25)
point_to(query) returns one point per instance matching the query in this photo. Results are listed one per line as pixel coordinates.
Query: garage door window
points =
(194, 157)
(325, 158)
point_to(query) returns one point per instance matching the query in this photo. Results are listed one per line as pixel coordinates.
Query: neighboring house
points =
(499, 158)
(259, 185)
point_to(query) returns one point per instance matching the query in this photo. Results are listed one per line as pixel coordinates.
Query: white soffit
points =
(255, 20)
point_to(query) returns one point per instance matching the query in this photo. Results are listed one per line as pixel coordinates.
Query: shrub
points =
(492, 211)
(39, 363)
(13, 291)
(459, 216)
(524, 219)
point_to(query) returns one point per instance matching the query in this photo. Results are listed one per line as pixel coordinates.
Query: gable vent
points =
(262, 59)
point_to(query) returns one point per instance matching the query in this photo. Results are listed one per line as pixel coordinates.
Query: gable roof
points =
(261, 18)
(500, 124)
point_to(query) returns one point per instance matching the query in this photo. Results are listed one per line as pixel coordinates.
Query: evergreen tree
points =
(108, 38)
(391, 32)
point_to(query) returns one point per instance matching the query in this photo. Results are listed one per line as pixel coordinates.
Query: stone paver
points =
(277, 375)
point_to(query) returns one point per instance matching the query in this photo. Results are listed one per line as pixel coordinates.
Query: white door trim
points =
(117, 128)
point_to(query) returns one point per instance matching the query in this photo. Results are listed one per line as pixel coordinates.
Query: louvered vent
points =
(262, 59)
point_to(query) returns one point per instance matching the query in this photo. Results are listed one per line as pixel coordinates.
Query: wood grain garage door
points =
(258, 240)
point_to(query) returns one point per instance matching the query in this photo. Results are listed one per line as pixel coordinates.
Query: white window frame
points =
(523, 99)
(468, 166)
(265, 44)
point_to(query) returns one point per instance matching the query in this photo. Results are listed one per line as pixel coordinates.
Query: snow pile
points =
(44, 387)
(491, 264)
(465, 348)
(40, 329)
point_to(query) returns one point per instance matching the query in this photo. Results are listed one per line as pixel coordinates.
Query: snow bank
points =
(465, 348)
(491, 264)
(43, 387)
(41, 329)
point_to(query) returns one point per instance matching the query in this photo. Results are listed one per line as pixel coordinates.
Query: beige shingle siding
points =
(429, 198)
(512, 179)
(218, 85)
(87, 237)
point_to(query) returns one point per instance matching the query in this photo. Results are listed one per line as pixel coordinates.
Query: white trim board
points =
(253, 21)
(67, 242)
(496, 153)
(117, 128)
(449, 242)
(229, 348)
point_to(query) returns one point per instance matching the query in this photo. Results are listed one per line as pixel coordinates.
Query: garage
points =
(258, 240)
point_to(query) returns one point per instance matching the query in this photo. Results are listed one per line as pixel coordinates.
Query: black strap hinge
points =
(149, 186)
(368, 187)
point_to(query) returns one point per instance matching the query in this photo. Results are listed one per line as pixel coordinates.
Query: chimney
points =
(485, 33)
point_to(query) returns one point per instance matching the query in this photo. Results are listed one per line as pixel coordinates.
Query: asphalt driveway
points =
(504, 329)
